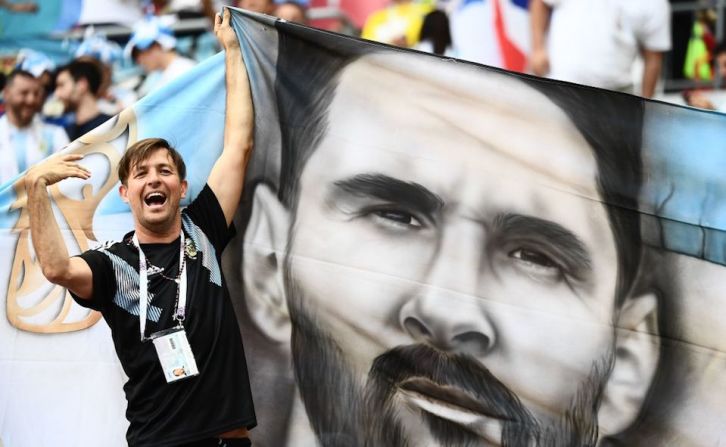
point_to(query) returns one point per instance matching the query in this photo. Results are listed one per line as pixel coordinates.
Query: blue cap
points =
(149, 31)
(34, 62)
(99, 48)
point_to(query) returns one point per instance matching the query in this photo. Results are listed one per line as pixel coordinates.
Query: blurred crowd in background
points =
(67, 66)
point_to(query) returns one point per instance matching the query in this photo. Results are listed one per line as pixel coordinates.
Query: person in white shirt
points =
(292, 10)
(24, 138)
(596, 42)
(261, 6)
(152, 47)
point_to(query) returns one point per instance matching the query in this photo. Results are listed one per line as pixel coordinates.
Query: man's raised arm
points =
(227, 176)
(539, 19)
(50, 249)
(652, 63)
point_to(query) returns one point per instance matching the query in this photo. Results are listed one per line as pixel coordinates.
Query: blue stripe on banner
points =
(521, 3)
(8, 218)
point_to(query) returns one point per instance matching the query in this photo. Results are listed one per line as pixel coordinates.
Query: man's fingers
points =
(217, 21)
(225, 18)
(76, 170)
(84, 170)
(83, 173)
(79, 173)
(77, 166)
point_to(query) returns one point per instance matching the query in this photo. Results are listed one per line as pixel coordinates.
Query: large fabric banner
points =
(429, 252)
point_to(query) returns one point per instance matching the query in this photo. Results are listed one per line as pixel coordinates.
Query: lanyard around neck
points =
(181, 289)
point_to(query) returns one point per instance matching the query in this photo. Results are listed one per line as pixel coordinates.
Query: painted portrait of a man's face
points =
(451, 273)
(429, 252)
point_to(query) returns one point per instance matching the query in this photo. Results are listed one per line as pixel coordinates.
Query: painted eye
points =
(537, 264)
(398, 217)
(533, 257)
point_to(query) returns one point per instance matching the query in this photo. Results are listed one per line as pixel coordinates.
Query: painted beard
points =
(344, 412)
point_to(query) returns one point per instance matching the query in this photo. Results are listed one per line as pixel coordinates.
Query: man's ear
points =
(263, 257)
(184, 188)
(82, 83)
(122, 191)
(637, 349)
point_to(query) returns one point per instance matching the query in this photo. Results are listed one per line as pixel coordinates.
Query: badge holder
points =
(175, 354)
(172, 345)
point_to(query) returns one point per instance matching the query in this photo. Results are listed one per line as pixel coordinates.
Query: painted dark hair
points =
(610, 122)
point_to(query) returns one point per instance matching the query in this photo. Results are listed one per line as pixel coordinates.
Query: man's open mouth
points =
(155, 199)
(453, 404)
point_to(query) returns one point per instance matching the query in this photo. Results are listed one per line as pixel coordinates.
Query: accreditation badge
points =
(175, 354)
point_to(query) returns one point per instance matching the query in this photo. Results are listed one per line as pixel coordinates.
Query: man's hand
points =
(699, 99)
(224, 31)
(652, 63)
(539, 62)
(56, 169)
(539, 21)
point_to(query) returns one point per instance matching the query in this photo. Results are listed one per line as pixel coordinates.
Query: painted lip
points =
(455, 405)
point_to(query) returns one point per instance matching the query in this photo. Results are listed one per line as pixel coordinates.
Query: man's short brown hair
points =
(141, 150)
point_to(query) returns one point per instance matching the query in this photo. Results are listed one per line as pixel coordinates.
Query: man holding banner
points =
(201, 394)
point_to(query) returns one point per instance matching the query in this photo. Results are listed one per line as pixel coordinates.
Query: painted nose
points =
(451, 324)
(446, 311)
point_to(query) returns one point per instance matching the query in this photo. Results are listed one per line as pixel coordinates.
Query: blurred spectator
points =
(184, 9)
(292, 11)
(19, 6)
(24, 138)
(491, 32)
(701, 44)
(597, 42)
(435, 34)
(112, 99)
(708, 99)
(719, 58)
(152, 46)
(77, 86)
(398, 24)
(261, 6)
(40, 66)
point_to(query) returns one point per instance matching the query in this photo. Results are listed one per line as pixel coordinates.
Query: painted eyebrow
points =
(557, 236)
(390, 189)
